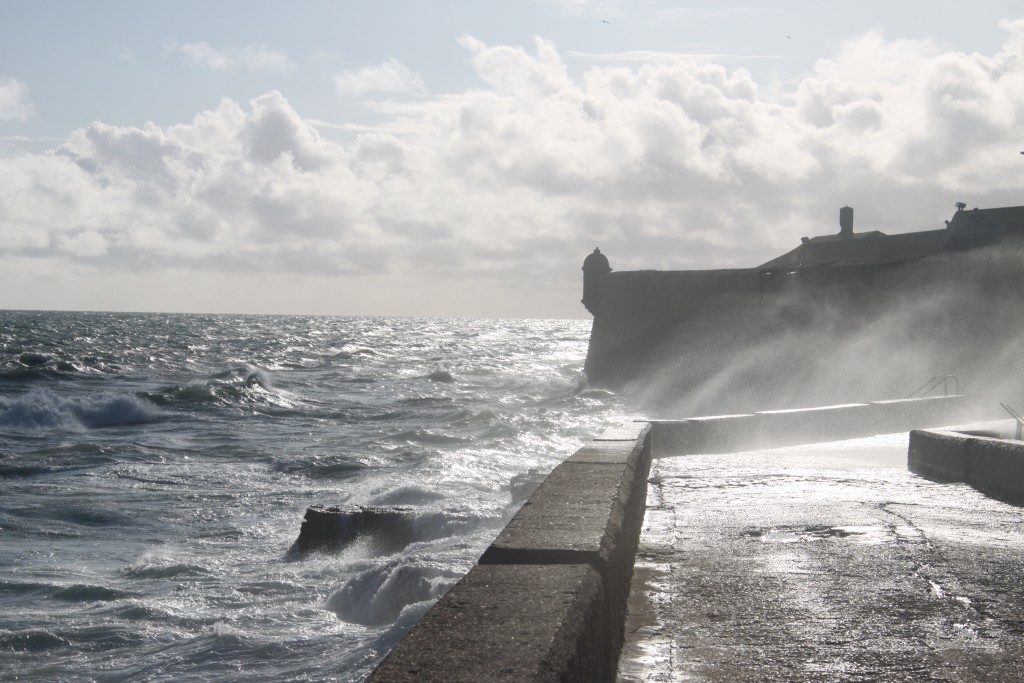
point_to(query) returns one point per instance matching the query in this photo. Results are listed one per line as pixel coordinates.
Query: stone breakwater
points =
(547, 601)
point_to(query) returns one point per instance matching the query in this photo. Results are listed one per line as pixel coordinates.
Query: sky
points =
(461, 158)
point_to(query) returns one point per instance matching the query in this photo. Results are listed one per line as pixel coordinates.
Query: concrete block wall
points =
(993, 466)
(547, 600)
(774, 428)
(939, 455)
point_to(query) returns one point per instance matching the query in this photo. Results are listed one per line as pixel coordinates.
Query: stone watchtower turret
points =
(595, 281)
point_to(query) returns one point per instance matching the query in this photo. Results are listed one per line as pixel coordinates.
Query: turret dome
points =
(596, 261)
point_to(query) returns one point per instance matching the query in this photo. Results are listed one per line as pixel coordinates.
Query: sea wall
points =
(667, 290)
(991, 465)
(547, 600)
(642, 309)
(774, 428)
(732, 341)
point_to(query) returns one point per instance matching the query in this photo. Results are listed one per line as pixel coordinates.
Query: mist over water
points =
(955, 315)
(154, 471)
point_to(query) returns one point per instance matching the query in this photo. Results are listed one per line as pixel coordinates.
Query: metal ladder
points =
(934, 382)
(1016, 416)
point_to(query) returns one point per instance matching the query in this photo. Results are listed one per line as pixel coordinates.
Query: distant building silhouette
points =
(956, 291)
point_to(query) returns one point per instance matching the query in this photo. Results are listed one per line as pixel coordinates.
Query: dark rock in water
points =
(522, 486)
(332, 529)
(384, 529)
(31, 359)
(441, 375)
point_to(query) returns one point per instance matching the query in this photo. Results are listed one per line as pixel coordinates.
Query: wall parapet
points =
(775, 428)
(547, 600)
(993, 466)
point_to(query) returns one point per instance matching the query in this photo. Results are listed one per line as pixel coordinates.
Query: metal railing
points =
(1016, 416)
(934, 382)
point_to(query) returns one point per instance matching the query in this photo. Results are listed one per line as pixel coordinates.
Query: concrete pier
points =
(823, 562)
(807, 561)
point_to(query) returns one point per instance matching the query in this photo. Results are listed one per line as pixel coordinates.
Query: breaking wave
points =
(45, 409)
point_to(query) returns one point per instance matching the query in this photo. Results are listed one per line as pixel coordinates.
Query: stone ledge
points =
(629, 453)
(625, 431)
(510, 623)
(993, 466)
(939, 455)
(579, 509)
(770, 429)
(547, 601)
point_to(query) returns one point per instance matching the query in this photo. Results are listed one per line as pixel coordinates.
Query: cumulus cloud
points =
(253, 57)
(14, 103)
(505, 187)
(388, 77)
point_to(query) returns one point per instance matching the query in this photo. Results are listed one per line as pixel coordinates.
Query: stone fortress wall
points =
(546, 601)
(939, 289)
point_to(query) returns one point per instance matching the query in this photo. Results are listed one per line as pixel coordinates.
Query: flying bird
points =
(606, 21)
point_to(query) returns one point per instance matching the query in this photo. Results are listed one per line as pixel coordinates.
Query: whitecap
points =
(378, 596)
(42, 408)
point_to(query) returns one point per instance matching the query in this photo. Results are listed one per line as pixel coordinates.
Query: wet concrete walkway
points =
(825, 562)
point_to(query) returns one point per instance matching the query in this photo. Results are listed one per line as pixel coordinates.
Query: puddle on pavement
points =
(854, 534)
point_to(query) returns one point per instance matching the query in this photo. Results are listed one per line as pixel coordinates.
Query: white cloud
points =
(389, 77)
(14, 103)
(252, 57)
(504, 188)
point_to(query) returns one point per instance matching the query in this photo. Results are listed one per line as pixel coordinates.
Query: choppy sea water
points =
(154, 471)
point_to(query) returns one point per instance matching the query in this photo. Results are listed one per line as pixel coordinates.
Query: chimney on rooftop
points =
(846, 222)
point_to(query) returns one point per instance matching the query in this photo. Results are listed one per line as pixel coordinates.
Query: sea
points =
(155, 470)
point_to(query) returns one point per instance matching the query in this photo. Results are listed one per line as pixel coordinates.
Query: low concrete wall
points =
(769, 429)
(993, 466)
(547, 601)
(939, 455)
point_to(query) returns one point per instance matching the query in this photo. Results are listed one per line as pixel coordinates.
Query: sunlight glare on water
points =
(154, 471)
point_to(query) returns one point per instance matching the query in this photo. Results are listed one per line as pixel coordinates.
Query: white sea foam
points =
(44, 408)
(379, 595)
(171, 491)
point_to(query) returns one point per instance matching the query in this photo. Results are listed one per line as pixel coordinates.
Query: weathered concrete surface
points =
(997, 468)
(939, 455)
(548, 600)
(575, 516)
(631, 431)
(509, 623)
(992, 465)
(825, 562)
